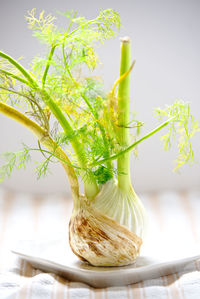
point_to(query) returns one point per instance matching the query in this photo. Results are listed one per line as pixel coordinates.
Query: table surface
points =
(24, 216)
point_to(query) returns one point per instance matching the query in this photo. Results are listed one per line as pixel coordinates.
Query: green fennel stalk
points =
(123, 162)
(47, 141)
(91, 188)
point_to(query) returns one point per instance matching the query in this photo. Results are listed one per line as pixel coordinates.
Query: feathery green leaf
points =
(183, 125)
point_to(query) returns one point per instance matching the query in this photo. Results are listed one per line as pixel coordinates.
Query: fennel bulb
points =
(99, 239)
(124, 207)
(108, 230)
(91, 132)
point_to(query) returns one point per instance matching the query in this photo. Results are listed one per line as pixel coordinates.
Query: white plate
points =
(56, 256)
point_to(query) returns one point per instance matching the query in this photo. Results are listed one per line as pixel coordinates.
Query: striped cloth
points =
(27, 217)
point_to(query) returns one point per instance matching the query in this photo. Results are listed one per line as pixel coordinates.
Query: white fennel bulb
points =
(122, 206)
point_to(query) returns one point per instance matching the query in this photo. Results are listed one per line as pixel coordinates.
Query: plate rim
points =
(112, 270)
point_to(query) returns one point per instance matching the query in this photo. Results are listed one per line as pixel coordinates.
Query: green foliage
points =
(79, 97)
(42, 169)
(43, 26)
(77, 45)
(14, 160)
(87, 31)
(103, 175)
(19, 159)
(184, 125)
(92, 114)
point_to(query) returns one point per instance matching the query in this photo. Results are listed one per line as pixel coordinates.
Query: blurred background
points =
(166, 45)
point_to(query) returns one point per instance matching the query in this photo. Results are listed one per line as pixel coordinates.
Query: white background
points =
(166, 45)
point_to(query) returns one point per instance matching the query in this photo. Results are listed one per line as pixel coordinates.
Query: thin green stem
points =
(129, 148)
(71, 22)
(15, 77)
(80, 27)
(63, 43)
(54, 155)
(190, 145)
(63, 53)
(48, 65)
(123, 161)
(24, 72)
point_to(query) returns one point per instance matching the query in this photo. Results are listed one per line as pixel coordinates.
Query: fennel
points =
(90, 136)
